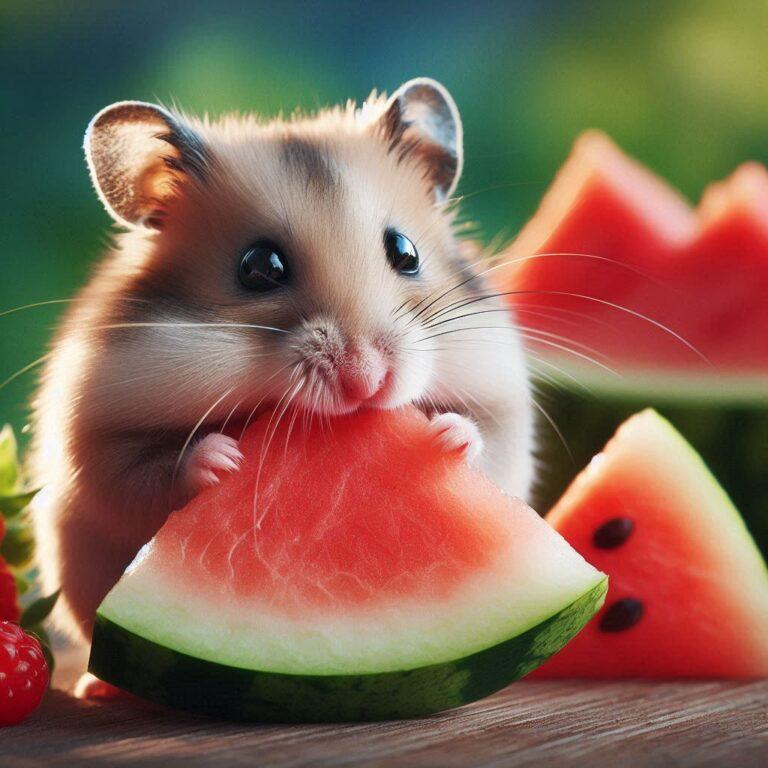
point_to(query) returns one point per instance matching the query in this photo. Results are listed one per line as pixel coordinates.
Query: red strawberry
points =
(9, 603)
(23, 673)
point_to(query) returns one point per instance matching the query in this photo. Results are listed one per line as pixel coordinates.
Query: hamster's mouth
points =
(383, 398)
(337, 402)
(334, 401)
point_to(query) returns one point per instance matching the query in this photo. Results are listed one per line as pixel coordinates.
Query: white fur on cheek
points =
(170, 372)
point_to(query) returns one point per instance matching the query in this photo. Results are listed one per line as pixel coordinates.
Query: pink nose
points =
(362, 373)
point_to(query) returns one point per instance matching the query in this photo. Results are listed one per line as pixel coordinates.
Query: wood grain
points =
(717, 724)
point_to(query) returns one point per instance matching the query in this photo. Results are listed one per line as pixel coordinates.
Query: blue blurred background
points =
(680, 84)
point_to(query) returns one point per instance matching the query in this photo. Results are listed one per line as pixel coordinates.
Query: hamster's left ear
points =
(140, 156)
(421, 119)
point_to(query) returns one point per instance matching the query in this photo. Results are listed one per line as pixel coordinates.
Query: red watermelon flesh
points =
(352, 547)
(701, 273)
(688, 590)
(346, 561)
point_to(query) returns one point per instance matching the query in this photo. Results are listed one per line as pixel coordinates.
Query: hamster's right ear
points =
(140, 156)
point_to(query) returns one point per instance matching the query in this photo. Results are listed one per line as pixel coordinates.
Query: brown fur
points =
(120, 397)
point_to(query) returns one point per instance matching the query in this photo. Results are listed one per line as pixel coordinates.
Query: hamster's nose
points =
(362, 372)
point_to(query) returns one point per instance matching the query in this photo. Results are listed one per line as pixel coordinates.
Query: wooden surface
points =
(718, 724)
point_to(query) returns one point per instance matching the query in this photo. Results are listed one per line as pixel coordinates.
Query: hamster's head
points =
(292, 261)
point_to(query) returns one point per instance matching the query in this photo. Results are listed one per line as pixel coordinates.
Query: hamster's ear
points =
(140, 156)
(421, 119)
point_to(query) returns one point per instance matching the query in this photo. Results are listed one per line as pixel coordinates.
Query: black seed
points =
(623, 614)
(613, 533)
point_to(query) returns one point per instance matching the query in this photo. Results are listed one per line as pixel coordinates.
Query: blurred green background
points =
(680, 84)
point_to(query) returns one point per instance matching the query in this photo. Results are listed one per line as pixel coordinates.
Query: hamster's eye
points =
(402, 253)
(263, 267)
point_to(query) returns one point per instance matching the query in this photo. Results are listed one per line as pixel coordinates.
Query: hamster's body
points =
(307, 264)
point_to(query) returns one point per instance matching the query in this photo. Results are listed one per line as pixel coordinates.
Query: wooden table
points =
(718, 724)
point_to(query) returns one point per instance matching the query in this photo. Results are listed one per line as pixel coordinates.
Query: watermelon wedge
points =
(357, 573)
(612, 244)
(688, 594)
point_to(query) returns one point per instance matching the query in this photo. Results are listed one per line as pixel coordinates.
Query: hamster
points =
(307, 263)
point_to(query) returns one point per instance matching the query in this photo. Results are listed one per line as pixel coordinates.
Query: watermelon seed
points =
(613, 533)
(623, 614)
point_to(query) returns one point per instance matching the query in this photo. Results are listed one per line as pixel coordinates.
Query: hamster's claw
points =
(90, 688)
(208, 458)
(454, 432)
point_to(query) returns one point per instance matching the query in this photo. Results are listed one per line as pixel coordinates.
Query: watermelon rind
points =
(711, 387)
(167, 676)
(689, 587)
(724, 417)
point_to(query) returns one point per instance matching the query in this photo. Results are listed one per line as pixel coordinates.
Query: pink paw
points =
(454, 432)
(208, 457)
(89, 687)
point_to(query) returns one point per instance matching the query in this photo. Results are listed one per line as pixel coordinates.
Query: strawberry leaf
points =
(12, 505)
(9, 461)
(39, 610)
(22, 585)
(18, 546)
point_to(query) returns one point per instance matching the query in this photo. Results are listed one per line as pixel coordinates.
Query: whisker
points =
(529, 329)
(538, 340)
(53, 302)
(520, 259)
(536, 376)
(261, 399)
(563, 348)
(194, 431)
(230, 415)
(291, 425)
(269, 437)
(603, 302)
(34, 305)
(554, 426)
(535, 332)
(29, 367)
(561, 371)
(116, 326)
(574, 318)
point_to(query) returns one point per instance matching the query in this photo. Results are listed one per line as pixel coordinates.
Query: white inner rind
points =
(717, 386)
(495, 604)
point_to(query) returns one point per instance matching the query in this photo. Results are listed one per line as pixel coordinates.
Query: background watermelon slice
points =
(701, 273)
(688, 593)
(369, 575)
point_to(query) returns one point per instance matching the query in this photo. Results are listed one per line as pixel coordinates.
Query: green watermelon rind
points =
(169, 677)
(725, 418)
(714, 386)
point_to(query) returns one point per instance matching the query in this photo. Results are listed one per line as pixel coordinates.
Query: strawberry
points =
(9, 603)
(23, 673)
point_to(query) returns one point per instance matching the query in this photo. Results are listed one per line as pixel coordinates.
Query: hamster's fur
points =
(166, 344)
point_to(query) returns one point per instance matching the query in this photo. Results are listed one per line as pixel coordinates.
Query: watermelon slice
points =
(688, 592)
(615, 236)
(369, 575)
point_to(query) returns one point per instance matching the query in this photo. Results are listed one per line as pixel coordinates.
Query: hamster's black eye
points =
(263, 267)
(402, 253)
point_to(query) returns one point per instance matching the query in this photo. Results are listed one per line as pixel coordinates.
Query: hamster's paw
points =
(454, 432)
(89, 687)
(208, 457)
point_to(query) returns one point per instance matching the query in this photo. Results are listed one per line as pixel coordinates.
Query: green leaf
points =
(18, 545)
(22, 585)
(39, 632)
(10, 506)
(9, 461)
(39, 610)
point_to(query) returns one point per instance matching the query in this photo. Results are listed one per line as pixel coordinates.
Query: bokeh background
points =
(681, 84)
